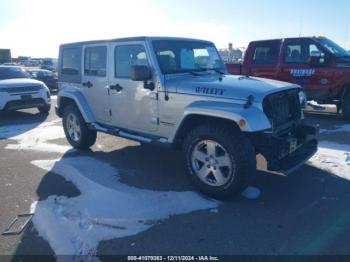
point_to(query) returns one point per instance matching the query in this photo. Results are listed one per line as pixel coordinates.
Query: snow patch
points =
(251, 193)
(323, 105)
(33, 207)
(35, 137)
(106, 208)
(338, 129)
(333, 157)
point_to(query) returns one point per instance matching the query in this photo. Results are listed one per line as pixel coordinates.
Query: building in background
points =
(231, 54)
(5, 56)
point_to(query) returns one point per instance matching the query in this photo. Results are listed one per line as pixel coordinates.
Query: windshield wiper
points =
(194, 73)
(218, 71)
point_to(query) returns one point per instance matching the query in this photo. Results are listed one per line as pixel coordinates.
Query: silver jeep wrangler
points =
(175, 91)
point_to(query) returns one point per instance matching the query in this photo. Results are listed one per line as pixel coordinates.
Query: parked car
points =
(174, 92)
(318, 64)
(19, 91)
(49, 64)
(46, 76)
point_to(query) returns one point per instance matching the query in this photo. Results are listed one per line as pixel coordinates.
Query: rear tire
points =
(44, 109)
(221, 161)
(76, 130)
(346, 105)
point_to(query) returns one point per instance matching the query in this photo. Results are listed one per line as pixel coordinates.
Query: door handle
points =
(87, 84)
(116, 87)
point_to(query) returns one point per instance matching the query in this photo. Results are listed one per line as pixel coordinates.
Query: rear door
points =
(264, 59)
(95, 80)
(316, 79)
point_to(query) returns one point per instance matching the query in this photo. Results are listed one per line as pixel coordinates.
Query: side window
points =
(301, 52)
(126, 56)
(320, 56)
(70, 61)
(95, 61)
(293, 53)
(266, 53)
(297, 52)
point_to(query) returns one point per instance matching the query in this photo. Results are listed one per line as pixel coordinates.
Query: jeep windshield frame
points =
(187, 56)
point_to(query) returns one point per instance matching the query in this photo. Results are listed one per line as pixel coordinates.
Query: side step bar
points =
(128, 135)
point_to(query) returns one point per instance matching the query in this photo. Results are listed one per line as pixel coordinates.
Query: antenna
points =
(301, 26)
(346, 33)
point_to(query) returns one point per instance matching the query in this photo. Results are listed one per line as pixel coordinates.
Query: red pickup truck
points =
(317, 64)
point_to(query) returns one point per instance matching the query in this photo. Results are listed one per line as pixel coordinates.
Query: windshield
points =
(333, 48)
(12, 72)
(181, 56)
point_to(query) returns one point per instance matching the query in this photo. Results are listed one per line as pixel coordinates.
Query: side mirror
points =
(141, 73)
(319, 59)
(316, 54)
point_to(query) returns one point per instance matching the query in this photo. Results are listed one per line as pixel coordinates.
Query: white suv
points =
(18, 91)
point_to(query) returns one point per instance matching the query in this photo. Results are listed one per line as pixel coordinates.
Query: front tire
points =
(346, 105)
(76, 130)
(220, 160)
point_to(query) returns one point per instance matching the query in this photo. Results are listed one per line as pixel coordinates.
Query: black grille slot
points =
(20, 89)
(282, 108)
(20, 104)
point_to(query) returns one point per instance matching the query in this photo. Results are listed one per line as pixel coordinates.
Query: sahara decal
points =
(210, 91)
(302, 72)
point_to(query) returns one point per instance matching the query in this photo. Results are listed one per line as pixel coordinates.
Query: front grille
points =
(20, 89)
(282, 108)
(21, 104)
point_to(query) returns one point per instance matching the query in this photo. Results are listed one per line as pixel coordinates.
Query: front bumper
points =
(286, 154)
(17, 101)
(24, 104)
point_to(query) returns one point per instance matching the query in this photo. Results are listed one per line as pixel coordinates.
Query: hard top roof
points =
(131, 39)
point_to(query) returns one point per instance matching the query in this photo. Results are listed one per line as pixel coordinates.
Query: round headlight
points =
(302, 99)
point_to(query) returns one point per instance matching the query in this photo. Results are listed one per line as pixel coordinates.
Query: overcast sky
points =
(37, 27)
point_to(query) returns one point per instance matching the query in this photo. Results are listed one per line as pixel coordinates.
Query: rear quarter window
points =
(70, 64)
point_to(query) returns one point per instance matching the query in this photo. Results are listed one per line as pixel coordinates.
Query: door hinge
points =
(110, 112)
(155, 120)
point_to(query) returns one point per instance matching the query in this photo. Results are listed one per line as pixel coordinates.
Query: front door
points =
(132, 106)
(316, 79)
(95, 81)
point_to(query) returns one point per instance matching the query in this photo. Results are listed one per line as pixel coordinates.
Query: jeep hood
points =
(19, 82)
(226, 87)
